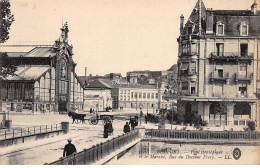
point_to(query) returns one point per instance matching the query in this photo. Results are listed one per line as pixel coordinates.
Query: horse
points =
(76, 116)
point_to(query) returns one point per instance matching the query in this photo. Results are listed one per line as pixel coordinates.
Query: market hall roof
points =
(28, 73)
(35, 52)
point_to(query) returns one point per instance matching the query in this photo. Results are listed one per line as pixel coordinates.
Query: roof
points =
(28, 72)
(136, 86)
(16, 54)
(94, 83)
(41, 52)
(232, 22)
(230, 18)
(236, 12)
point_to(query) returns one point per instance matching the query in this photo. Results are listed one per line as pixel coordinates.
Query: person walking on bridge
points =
(69, 149)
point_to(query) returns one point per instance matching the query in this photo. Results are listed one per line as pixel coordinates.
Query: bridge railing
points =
(29, 131)
(207, 135)
(99, 151)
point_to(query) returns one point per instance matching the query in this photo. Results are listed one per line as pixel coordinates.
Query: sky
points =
(110, 35)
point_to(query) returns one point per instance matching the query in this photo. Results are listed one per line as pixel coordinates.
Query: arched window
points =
(47, 87)
(53, 83)
(36, 91)
(63, 69)
(42, 88)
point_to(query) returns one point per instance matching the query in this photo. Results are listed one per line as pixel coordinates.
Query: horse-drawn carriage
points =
(93, 120)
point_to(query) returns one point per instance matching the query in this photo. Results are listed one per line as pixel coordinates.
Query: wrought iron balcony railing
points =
(214, 78)
(248, 77)
(229, 56)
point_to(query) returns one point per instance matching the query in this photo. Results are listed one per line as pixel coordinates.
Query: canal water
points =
(163, 153)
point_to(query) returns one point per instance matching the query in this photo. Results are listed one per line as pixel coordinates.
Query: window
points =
(220, 73)
(156, 95)
(242, 91)
(152, 95)
(140, 95)
(192, 68)
(243, 29)
(243, 50)
(184, 85)
(242, 70)
(148, 95)
(132, 94)
(136, 95)
(121, 97)
(144, 95)
(189, 30)
(220, 49)
(192, 88)
(220, 28)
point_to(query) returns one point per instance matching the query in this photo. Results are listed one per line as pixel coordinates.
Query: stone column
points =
(206, 111)
(230, 114)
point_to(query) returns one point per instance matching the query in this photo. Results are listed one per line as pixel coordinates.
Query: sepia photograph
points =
(129, 82)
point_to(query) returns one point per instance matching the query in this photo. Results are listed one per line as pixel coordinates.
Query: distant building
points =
(218, 64)
(97, 94)
(45, 79)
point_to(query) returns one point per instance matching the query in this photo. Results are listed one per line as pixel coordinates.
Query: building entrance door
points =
(62, 106)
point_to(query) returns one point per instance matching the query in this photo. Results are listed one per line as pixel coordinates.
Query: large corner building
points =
(218, 65)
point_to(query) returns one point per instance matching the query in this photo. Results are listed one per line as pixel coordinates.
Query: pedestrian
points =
(69, 149)
(132, 123)
(106, 129)
(136, 117)
(126, 128)
(146, 118)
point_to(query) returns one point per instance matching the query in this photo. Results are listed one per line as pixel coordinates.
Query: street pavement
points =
(51, 149)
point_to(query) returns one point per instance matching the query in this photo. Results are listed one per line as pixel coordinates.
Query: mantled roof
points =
(41, 52)
(16, 54)
(35, 52)
(28, 72)
(232, 20)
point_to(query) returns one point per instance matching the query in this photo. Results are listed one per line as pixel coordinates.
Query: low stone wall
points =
(24, 139)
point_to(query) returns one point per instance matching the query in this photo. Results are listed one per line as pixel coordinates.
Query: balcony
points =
(245, 95)
(214, 78)
(244, 78)
(230, 56)
(189, 54)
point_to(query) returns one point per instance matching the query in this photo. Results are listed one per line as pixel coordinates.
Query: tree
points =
(7, 65)
(6, 19)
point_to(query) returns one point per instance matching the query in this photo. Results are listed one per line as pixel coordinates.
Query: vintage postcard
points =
(123, 82)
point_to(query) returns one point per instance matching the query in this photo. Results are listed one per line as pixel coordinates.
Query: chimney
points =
(85, 75)
(209, 21)
(254, 8)
(181, 22)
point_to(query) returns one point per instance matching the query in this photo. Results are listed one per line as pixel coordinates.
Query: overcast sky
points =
(110, 35)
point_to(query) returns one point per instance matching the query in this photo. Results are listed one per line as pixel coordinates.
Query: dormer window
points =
(243, 29)
(189, 30)
(220, 28)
